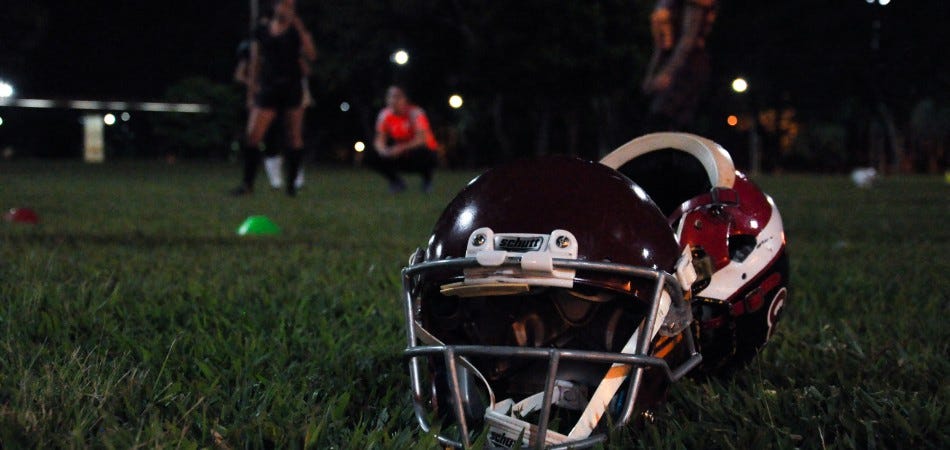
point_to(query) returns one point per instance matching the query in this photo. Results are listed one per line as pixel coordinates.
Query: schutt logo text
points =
(520, 244)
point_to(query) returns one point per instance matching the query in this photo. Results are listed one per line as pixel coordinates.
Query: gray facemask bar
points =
(453, 354)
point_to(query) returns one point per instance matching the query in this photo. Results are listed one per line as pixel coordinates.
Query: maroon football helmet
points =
(547, 306)
(734, 232)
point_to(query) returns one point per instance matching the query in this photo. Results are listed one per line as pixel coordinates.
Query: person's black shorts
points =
(280, 96)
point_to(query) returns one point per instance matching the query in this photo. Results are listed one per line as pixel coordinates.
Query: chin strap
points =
(505, 426)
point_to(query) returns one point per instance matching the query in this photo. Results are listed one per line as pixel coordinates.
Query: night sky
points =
(137, 48)
(117, 49)
(817, 56)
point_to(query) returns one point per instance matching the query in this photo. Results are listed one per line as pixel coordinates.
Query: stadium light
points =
(740, 85)
(1, 121)
(400, 57)
(6, 89)
(345, 106)
(455, 101)
(108, 119)
(359, 146)
(125, 116)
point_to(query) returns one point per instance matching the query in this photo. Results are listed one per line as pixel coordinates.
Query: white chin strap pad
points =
(505, 428)
(714, 158)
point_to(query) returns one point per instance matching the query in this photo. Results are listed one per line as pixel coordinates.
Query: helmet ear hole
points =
(740, 247)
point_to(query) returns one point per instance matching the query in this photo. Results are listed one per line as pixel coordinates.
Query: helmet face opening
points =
(544, 317)
(551, 364)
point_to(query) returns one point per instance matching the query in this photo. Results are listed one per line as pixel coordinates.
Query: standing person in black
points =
(274, 87)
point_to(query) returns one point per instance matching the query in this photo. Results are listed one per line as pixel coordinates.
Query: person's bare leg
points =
(258, 121)
(294, 128)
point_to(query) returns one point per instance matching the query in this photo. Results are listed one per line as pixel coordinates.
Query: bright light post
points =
(455, 101)
(883, 147)
(359, 147)
(400, 57)
(741, 86)
(6, 90)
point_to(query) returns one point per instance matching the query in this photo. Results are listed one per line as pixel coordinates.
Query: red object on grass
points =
(21, 215)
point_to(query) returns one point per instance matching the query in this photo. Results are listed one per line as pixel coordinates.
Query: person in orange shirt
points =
(403, 142)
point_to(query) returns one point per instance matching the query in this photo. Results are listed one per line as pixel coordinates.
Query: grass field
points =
(134, 316)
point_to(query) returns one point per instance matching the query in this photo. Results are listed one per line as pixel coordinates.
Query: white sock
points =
(273, 165)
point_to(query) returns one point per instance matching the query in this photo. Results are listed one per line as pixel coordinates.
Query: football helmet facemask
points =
(548, 306)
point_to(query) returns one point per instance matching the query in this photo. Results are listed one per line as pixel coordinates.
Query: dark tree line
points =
(537, 77)
(833, 84)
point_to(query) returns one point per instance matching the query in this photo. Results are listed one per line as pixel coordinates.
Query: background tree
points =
(537, 76)
(201, 135)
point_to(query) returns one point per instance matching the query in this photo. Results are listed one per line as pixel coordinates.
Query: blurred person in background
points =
(270, 147)
(678, 72)
(273, 160)
(403, 142)
(276, 80)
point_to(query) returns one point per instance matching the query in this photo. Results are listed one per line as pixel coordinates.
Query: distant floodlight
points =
(870, 2)
(455, 101)
(108, 119)
(1, 121)
(401, 57)
(359, 146)
(740, 85)
(732, 120)
(345, 106)
(6, 89)
(125, 116)
(883, 2)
